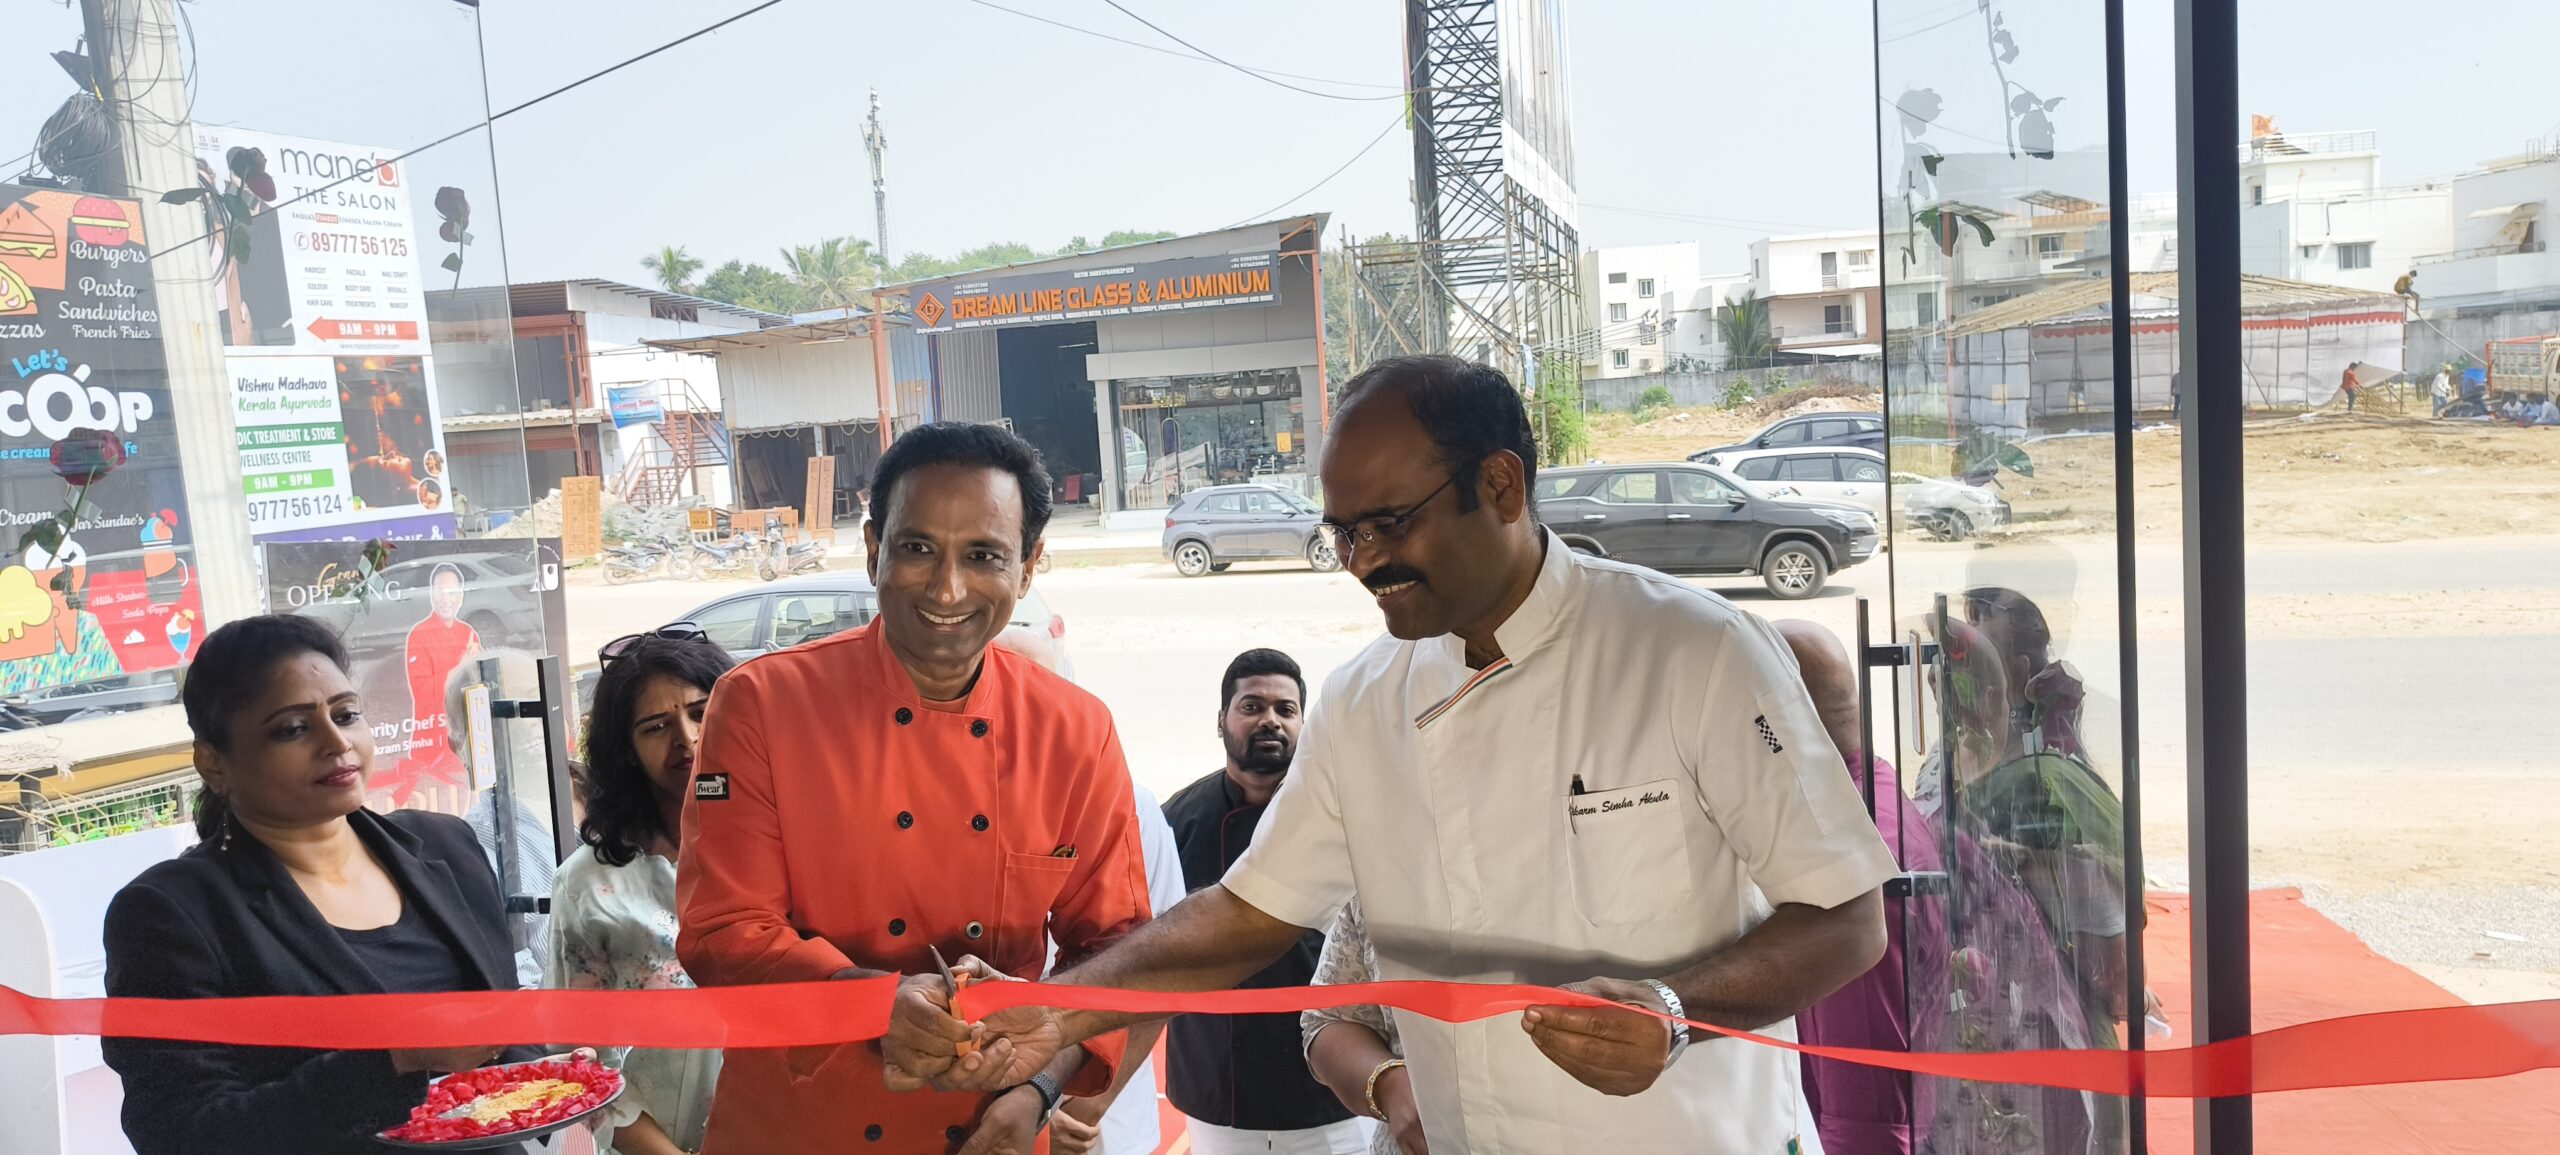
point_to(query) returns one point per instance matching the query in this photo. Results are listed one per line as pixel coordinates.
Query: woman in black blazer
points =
(295, 889)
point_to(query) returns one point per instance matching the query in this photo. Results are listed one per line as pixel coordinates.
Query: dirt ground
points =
(2320, 477)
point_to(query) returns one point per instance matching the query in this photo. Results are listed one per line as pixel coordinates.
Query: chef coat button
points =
(897, 926)
(955, 1134)
(905, 820)
(872, 1132)
(976, 929)
(978, 729)
(905, 716)
(978, 823)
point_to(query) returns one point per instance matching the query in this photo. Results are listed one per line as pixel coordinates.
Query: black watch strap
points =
(1050, 1094)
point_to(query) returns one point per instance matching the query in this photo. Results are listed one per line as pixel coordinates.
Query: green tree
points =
(1563, 438)
(833, 273)
(1118, 237)
(1744, 324)
(754, 286)
(674, 268)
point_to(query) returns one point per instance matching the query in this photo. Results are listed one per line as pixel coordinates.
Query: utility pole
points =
(141, 72)
(875, 141)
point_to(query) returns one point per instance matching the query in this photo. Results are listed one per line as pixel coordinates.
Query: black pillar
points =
(2209, 347)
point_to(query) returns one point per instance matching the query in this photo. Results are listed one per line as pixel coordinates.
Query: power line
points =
(610, 69)
(1161, 49)
(1265, 214)
(494, 117)
(1265, 78)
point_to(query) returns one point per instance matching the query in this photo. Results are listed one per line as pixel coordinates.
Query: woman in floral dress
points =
(613, 920)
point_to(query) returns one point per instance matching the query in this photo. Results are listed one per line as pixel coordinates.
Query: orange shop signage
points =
(1083, 294)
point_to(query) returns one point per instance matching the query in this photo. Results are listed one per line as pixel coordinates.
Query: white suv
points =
(1843, 473)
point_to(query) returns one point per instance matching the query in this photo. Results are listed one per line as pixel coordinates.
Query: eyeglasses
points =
(1384, 526)
(672, 631)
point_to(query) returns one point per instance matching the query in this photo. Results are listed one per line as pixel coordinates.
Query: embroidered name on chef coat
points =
(1602, 804)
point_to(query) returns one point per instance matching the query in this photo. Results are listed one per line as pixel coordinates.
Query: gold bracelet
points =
(1376, 1111)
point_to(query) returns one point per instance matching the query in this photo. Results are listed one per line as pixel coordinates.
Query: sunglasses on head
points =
(673, 631)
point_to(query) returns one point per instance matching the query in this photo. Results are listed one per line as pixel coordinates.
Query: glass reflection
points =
(2000, 398)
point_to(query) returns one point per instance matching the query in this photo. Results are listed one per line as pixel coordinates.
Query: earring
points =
(226, 827)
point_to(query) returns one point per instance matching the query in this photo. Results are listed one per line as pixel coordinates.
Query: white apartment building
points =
(1823, 291)
(1693, 336)
(2314, 208)
(1629, 292)
(2497, 253)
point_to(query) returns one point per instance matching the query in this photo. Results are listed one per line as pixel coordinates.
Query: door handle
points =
(1595, 517)
(1679, 517)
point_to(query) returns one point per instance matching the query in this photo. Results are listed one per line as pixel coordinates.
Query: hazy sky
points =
(1715, 121)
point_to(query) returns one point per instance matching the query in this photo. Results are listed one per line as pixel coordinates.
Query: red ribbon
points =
(2441, 1043)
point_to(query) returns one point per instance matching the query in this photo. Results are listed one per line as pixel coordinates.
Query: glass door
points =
(2016, 930)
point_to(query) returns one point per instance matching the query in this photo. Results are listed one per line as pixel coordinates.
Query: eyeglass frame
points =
(1389, 526)
(683, 631)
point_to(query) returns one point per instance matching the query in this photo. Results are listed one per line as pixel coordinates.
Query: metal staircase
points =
(692, 436)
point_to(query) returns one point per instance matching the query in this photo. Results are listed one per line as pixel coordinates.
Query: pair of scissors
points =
(950, 990)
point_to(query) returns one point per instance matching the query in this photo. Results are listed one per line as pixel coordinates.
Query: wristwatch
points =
(1050, 1094)
(1679, 1030)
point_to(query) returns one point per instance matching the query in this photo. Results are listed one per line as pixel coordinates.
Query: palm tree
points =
(674, 268)
(1744, 324)
(832, 273)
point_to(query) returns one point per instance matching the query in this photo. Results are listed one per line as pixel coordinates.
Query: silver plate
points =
(511, 1138)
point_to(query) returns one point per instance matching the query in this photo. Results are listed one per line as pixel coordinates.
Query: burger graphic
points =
(101, 222)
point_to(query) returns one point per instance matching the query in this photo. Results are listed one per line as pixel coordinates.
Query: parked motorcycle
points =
(732, 558)
(781, 557)
(646, 558)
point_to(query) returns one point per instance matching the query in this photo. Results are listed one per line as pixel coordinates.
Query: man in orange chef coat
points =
(902, 786)
(434, 647)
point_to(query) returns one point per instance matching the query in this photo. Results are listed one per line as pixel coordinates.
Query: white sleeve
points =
(1773, 782)
(1163, 854)
(1298, 869)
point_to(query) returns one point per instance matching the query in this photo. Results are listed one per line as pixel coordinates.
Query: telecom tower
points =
(1493, 272)
(876, 142)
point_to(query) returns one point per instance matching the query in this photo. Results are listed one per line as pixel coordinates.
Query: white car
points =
(1948, 509)
(1841, 473)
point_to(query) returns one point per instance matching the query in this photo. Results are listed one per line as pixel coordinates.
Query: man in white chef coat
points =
(1555, 769)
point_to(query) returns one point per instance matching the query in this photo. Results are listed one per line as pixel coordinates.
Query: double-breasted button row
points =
(978, 727)
(907, 821)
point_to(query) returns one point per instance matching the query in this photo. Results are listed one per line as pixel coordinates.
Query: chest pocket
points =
(1031, 884)
(1629, 851)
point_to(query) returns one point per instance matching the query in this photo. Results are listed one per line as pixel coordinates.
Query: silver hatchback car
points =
(1211, 529)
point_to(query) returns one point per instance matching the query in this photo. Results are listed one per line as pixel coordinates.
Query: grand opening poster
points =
(81, 343)
(436, 605)
(325, 336)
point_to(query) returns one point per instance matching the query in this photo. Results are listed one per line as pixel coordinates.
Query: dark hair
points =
(230, 670)
(1470, 410)
(1255, 664)
(968, 444)
(622, 806)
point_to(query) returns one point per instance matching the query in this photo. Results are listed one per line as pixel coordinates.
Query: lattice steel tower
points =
(1493, 272)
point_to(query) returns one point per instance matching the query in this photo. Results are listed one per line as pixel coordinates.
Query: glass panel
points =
(2403, 745)
(264, 241)
(1995, 131)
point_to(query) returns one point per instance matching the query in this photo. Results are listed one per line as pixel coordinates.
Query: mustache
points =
(1389, 575)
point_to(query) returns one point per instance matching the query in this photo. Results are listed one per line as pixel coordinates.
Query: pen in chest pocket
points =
(1577, 784)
